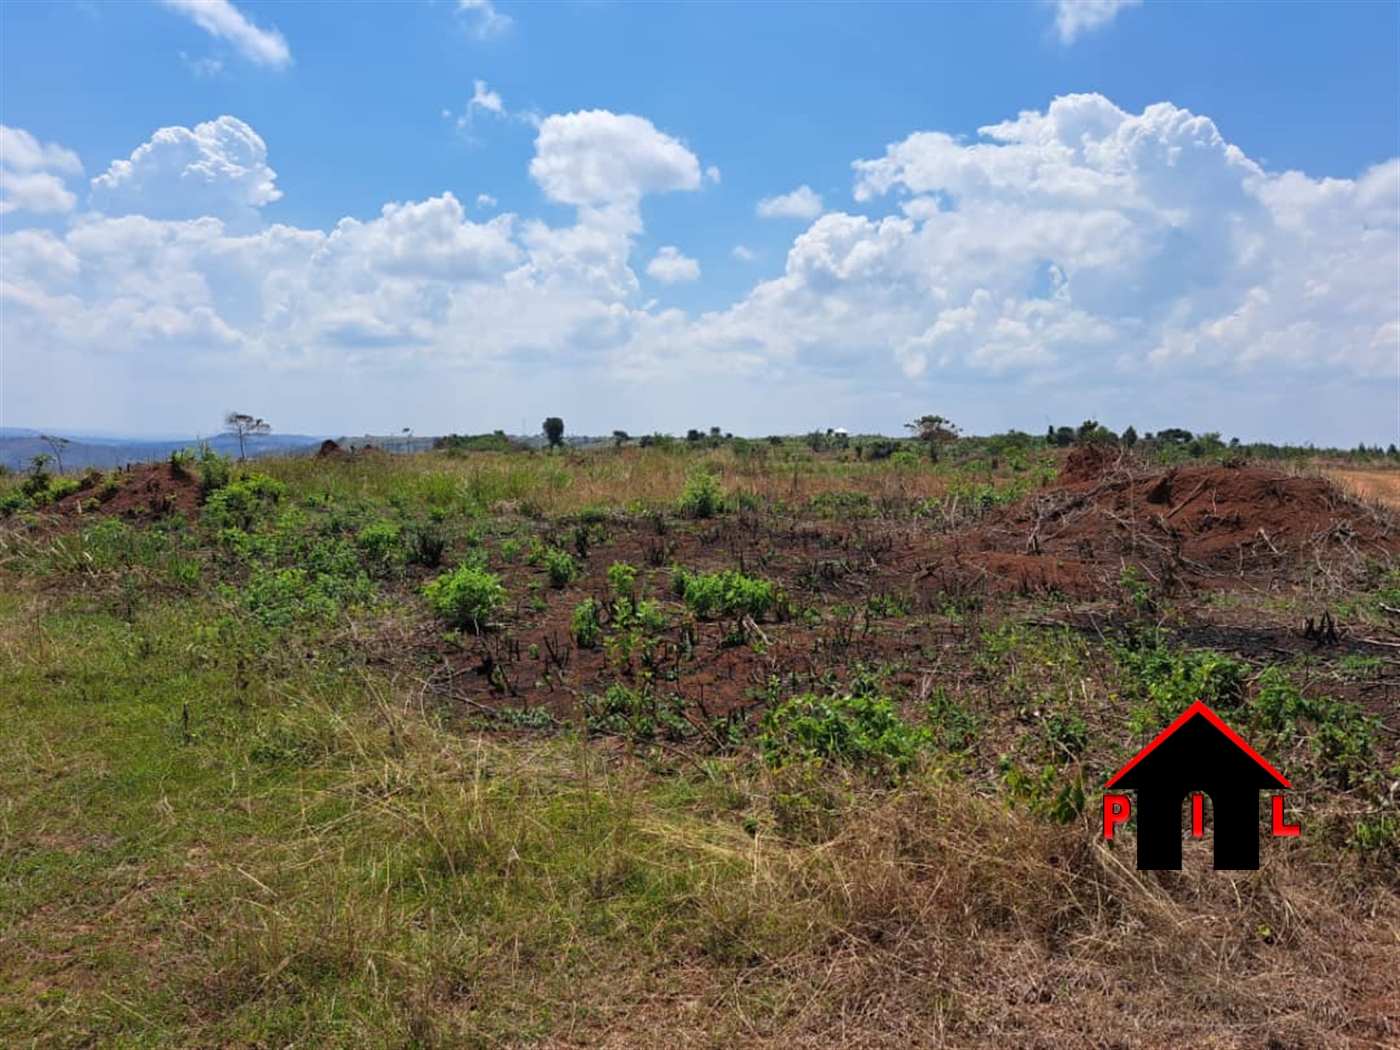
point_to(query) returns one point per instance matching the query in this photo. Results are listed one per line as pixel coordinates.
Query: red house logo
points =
(1196, 755)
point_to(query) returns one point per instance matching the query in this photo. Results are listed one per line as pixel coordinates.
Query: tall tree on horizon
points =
(244, 426)
(554, 431)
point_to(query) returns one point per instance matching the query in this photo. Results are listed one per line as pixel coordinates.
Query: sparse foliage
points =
(243, 426)
(933, 431)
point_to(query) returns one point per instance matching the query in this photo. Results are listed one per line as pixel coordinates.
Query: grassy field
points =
(699, 748)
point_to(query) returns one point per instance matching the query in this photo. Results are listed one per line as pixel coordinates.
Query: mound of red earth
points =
(1203, 527)
(144, 492)
(331, 450)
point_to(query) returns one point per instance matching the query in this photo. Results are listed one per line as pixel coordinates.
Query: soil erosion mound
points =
(143, 492)
(1195, 526)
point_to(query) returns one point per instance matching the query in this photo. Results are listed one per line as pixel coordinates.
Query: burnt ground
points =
(142, 492)
(1224, 547)
(1244, 558)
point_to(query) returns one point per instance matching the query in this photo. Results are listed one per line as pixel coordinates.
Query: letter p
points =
(1116, 809)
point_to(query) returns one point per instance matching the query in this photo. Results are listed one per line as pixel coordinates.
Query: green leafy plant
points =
(725, 593)
(425, 545)
(380, 542)
(622, 578)
(586, 628)
(466, 597)
(561, 568)
(865, 732)
(953, 725)
(214, 469)
(702, 496)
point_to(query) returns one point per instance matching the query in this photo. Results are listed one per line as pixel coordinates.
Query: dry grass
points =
(1377, 485)
(562, 484)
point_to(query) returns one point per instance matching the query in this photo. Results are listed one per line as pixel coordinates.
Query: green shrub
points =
(702, 497)
(380, 541)
(561, 568)
(214, 469)
(13, 502)
(725, 593)
(61, 487)
(586, 628)
(859, 731)
(239, 504)
(466, 597)
(622, 578)
(425, 546)
(1175, 679)
(1066, 734)
(954, 726)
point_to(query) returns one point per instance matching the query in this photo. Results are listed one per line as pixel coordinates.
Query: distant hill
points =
(19, 446)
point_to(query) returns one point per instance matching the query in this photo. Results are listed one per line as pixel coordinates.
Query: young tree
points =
(244, 426)
(620, 438)
(1130, 437)
(554, 431)
(58, 444)
(933, 431)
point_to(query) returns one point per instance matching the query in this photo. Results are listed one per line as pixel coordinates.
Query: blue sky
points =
(769, 217)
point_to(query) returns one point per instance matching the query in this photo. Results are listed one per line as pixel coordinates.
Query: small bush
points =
(861, 731)
(586, 628)
(622, 578)
(13, 502)
(702, 497)
(466, 597)
(561, 568)
(239, 504)
(214, 469)
(380, 543)
(726, 593)
(425, 546)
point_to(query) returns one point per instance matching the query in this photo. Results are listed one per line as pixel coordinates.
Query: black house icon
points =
(1198, 752)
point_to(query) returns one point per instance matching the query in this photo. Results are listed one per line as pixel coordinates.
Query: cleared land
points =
(757, 747)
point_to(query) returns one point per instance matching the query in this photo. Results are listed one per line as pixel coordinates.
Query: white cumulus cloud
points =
(1076, 17)
(218, 168)
(595, 158)
(1071, 261)
(742, 253)
(801, 203)
(32, 174)
(671, 267)
(221, 19)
